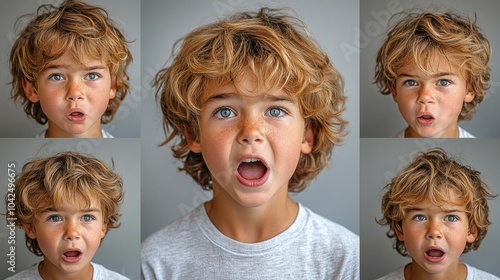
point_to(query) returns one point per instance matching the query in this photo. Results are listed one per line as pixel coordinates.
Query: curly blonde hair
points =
(64, 178)
(419, 36)
(431, 175)
(81, 29)
(278, 50)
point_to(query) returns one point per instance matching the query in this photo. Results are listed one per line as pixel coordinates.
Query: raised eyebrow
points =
(65, 66)
(415, 209)
(437, 75)
(220, 96)
(454, 211)
(284, 98)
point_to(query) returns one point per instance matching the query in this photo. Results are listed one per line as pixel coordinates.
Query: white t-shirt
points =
(105, 134)
(100, 273)
(193, 248)
(472, 274)
(462, 133)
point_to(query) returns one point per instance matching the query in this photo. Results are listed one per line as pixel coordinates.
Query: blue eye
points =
(275, 112)
(444, 83)
(224, 113)
(92, 76)
(56, 77)
(54, 218)
(87, 218)
(451, 218)
(410, 83)
(419, 218)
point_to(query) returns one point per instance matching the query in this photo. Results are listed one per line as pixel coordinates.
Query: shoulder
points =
(323, 229)
(398, 274)
(41, 134)
(106, 134)
(462, 133)
(400, 134)
(100, 272)
(173, 237)
(30, 273)
(476, 274)
(169, 248)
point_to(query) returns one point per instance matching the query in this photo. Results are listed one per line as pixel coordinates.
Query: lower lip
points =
(434, 259)
(72, 259)
(423, 121)
(252, 183)
(77, 118)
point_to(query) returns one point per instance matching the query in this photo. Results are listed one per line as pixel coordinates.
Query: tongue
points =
(435, 253)
(72, 254)
(76, 114)
(252, 170)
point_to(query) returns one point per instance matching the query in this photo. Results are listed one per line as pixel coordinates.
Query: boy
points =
(66, 204)
(436, 209)
(69, 69)
(256, 107)
(435, 65)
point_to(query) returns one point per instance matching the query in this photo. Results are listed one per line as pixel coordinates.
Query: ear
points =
(30, 91)
(469, 96)
(104, 230)
(394, 94)
(112, 91)
(472, 235)
(30, 231)
(193, 145)
(308, 142)
(399, 234)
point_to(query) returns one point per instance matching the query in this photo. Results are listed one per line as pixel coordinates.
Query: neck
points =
(54, 132)
(251, 224)
(49, 271)
(456, 271)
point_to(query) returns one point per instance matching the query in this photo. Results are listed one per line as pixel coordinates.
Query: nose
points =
(251, 131)
(72, 231)
(434, 230)
(425, 95)
(74, 91)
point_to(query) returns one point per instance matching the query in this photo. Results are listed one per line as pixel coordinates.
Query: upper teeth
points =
(250, 160)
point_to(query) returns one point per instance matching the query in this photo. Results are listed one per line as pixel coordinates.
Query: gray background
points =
(168, 194)
(380, 116)
(381, 159)
(120, 249)
(15, 123)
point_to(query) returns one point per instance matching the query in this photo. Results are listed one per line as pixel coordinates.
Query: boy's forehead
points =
(242, 86)
(75, 202)
(82, 60)
(445, 201)
(432, 64)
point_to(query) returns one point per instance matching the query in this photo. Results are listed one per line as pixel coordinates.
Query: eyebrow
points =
(268, 97)
(433, 76)
(89, 68)
(81, 210)
(446, 211)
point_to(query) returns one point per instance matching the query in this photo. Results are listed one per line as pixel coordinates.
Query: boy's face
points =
(73, 96)
(251, 142)
(69, 237)
(435, 236)
(431, 104)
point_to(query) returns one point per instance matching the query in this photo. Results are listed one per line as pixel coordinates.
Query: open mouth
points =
(425, 118)
(76, 115)
(252, 169)
(72, 256)
(434, 255)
